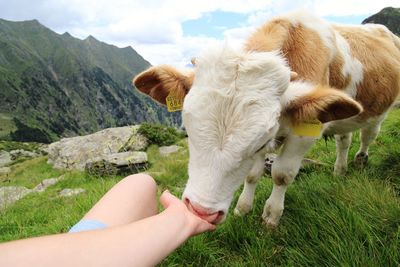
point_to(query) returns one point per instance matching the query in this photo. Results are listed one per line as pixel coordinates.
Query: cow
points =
(295, 79)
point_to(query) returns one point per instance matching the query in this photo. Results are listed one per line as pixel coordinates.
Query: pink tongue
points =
(207, 217)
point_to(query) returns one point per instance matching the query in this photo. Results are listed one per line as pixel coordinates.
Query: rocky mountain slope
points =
(389, 16)
(54, 85)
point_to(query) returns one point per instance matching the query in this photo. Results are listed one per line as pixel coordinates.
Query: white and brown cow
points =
(237, 104)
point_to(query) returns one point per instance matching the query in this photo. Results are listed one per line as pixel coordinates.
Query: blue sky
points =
(213, 24)
(174, 31)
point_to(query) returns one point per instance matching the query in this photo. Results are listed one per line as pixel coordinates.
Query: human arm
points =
(141, 243)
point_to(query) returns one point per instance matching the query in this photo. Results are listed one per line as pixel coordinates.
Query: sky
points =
(174, 31)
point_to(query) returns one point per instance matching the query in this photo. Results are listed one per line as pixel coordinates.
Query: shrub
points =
(159, 134)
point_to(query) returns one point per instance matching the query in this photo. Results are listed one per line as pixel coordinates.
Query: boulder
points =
(46, 183)
(117, 163)
(19, 153)
(67, 192)
(10, 194)
(167, 150)
(5, 158)
(75, 152)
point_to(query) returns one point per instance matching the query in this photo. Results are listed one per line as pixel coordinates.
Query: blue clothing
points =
(86, 225)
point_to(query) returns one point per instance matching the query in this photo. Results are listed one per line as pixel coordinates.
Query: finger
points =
(205, 226)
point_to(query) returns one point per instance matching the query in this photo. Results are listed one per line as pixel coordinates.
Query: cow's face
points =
(230, 114)
(231, 111)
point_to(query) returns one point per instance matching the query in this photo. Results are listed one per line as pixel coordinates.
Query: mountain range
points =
(389, 16)
(54, 85)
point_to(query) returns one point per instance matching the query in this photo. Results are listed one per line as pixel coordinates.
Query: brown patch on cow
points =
(322, 103)
(303, 48)
(251, 179)
(269, 37)
(161, 81)
(380, 57)
(280, 179)
(336, 77)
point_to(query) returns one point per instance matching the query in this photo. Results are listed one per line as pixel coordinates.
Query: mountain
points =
(389, 16)
(54, 85)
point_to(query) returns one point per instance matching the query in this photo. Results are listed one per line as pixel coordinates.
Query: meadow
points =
(351, 220)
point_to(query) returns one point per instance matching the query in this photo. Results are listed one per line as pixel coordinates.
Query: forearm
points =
(142, 243)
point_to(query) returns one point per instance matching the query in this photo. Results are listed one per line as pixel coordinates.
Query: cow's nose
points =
(205, 213)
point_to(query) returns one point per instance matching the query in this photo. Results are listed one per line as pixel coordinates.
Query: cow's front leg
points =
(284, 169)
(246, 199)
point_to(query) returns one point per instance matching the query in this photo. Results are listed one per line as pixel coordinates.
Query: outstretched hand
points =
(195, 224)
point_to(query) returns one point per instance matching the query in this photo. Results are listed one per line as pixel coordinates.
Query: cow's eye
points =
(261, 147)
(268, 143)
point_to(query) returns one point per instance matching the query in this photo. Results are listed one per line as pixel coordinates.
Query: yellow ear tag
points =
(173, 103)
(309, 128)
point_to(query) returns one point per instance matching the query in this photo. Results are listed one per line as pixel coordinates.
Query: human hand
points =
(195, 224)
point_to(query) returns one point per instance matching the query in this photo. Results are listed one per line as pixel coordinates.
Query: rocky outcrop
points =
(167, 150)
(46, 183)
(20, 153)
(117, 163)
(68, 192)
(10, 194)
(5, 158)
(76, 152)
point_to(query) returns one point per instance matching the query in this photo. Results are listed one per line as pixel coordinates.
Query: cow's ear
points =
(161, 81)
(322, 103)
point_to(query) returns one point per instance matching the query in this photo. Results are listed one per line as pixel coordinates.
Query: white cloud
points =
(153, 27)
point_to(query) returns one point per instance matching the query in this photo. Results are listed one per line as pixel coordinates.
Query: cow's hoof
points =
(272, 214)
(340, 170)
(361, 160)
(242, 209)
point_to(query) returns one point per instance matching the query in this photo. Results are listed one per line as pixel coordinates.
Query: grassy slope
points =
(328, 221)
(7, 125)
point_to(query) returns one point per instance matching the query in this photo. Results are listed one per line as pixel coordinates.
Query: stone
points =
(117, 163)
(270, 158)
(67, 192)
(46, 183)
(18, 153)
(136, 142)
(10, 194)
(5, 158)
(75, 152)
(167, 150)
(5, 170)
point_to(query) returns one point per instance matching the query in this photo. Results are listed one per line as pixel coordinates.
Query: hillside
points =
(55, 85)
(389, 16)
(351, 220)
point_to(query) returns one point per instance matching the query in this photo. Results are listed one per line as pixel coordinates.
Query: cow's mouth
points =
(213, 218)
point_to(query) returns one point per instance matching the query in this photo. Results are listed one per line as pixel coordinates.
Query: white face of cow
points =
(231, 111)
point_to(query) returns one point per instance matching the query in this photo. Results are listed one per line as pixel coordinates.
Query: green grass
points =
(353, 220)
(7, 126)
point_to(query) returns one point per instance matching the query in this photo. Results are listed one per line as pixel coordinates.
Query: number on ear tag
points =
(173, 103)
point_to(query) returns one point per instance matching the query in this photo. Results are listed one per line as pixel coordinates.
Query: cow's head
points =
(231, 110)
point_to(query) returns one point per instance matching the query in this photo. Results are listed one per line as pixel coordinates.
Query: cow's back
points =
(375, 47)
(363, 61)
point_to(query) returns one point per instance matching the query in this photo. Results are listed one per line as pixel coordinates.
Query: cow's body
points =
(348, 77)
